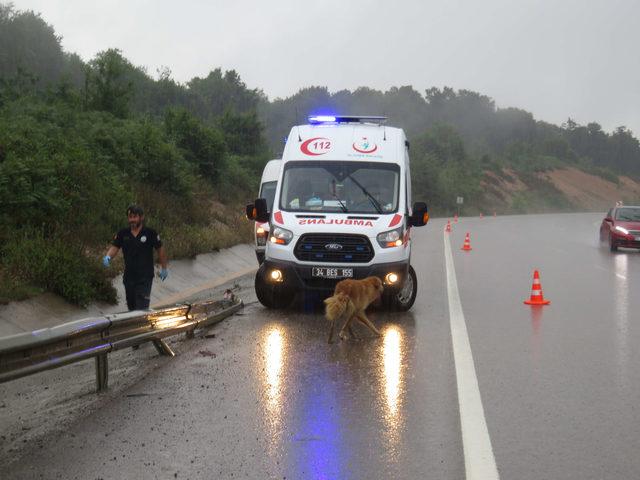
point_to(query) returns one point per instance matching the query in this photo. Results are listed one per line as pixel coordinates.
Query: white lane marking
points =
(479, 462)
(621, 276)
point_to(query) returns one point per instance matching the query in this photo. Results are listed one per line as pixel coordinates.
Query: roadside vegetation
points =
(80, 140)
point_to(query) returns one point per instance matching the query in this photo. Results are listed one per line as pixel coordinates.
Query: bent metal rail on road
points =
(32, 352)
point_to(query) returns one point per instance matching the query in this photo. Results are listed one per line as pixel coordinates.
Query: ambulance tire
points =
(405, 298)
(272, 296)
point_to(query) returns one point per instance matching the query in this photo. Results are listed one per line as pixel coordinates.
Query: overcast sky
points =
(555, 58)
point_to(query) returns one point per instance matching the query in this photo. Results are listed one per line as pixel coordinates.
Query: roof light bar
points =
(316, 119)
(322, 119)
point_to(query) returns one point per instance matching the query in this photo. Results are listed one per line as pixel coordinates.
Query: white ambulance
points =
(342, 209)
(268, 184)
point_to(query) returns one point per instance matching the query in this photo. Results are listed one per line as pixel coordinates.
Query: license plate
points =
(637, 239)
(332, 272)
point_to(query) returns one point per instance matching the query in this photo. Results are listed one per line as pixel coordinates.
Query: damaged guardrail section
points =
(32, 352)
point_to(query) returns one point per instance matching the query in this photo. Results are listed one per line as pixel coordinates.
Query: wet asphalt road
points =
(268, 398)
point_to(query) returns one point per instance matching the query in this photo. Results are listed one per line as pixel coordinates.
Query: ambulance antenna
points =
(384, 128)
(297, 128)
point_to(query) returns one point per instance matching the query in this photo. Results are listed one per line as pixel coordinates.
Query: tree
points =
(202, 146)
(28, 44)
(108, 87)
(242, 132)
(211, 96)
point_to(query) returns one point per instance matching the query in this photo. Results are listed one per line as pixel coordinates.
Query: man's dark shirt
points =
(137, 251)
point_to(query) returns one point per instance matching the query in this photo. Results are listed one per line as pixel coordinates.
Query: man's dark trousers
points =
(138, 293)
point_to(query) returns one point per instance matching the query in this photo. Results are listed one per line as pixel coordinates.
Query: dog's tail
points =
(336, 306)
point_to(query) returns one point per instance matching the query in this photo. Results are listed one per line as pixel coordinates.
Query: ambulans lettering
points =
(335, 221)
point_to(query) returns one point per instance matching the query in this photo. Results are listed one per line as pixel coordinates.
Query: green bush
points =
(54, 265)
(190, 240)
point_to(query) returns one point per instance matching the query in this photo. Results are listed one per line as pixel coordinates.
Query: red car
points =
(621, 228)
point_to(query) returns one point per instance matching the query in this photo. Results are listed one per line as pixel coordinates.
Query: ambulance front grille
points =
(328, 248)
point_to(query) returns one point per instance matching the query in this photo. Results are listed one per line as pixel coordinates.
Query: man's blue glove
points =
(106, 260)
(164, 273)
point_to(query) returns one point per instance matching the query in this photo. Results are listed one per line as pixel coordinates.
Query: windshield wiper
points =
(374, 202)
(342, 205)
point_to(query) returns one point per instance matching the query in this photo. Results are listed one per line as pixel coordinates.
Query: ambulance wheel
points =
(404, 299)
(272, 296)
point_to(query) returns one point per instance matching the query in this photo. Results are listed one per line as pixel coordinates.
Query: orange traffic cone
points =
(481, 216)
(467, 243)
(536, 292)
(448, 228)
(455, 218)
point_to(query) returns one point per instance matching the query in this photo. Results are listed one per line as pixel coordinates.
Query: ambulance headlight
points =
(392, 238)
(391, 278)
(281, 236)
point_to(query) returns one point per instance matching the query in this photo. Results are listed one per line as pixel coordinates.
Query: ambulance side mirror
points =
(420, 216)
(261, 210)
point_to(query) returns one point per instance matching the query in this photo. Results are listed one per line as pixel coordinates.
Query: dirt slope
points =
(555, 190)
(591, 192)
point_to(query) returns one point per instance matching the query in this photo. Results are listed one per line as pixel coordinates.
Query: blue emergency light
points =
(322, 119)
(318, 119)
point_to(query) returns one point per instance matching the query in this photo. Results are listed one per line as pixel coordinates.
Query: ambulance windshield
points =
(349, 187)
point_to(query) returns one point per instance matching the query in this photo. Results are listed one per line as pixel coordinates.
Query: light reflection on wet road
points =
(394, 387)
(311, 428)
(274, 357)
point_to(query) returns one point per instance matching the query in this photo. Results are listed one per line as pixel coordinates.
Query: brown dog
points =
(350, 299)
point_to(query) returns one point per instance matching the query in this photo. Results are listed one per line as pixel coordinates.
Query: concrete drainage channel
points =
(188, 279)
(38, 405)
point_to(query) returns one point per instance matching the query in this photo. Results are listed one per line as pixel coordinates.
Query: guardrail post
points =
(163, 348)
(102, 372)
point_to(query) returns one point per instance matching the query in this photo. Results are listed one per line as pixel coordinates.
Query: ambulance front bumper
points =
(303, 277)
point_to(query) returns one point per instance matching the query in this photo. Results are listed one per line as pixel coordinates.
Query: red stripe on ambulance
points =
(395, 220)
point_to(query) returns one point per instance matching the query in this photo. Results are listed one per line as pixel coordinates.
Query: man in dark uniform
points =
(137, 243)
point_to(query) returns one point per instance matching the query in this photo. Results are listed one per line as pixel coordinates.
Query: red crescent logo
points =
(375, 147)
(324, 144)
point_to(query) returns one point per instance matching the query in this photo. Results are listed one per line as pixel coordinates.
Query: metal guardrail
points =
(32, 352)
